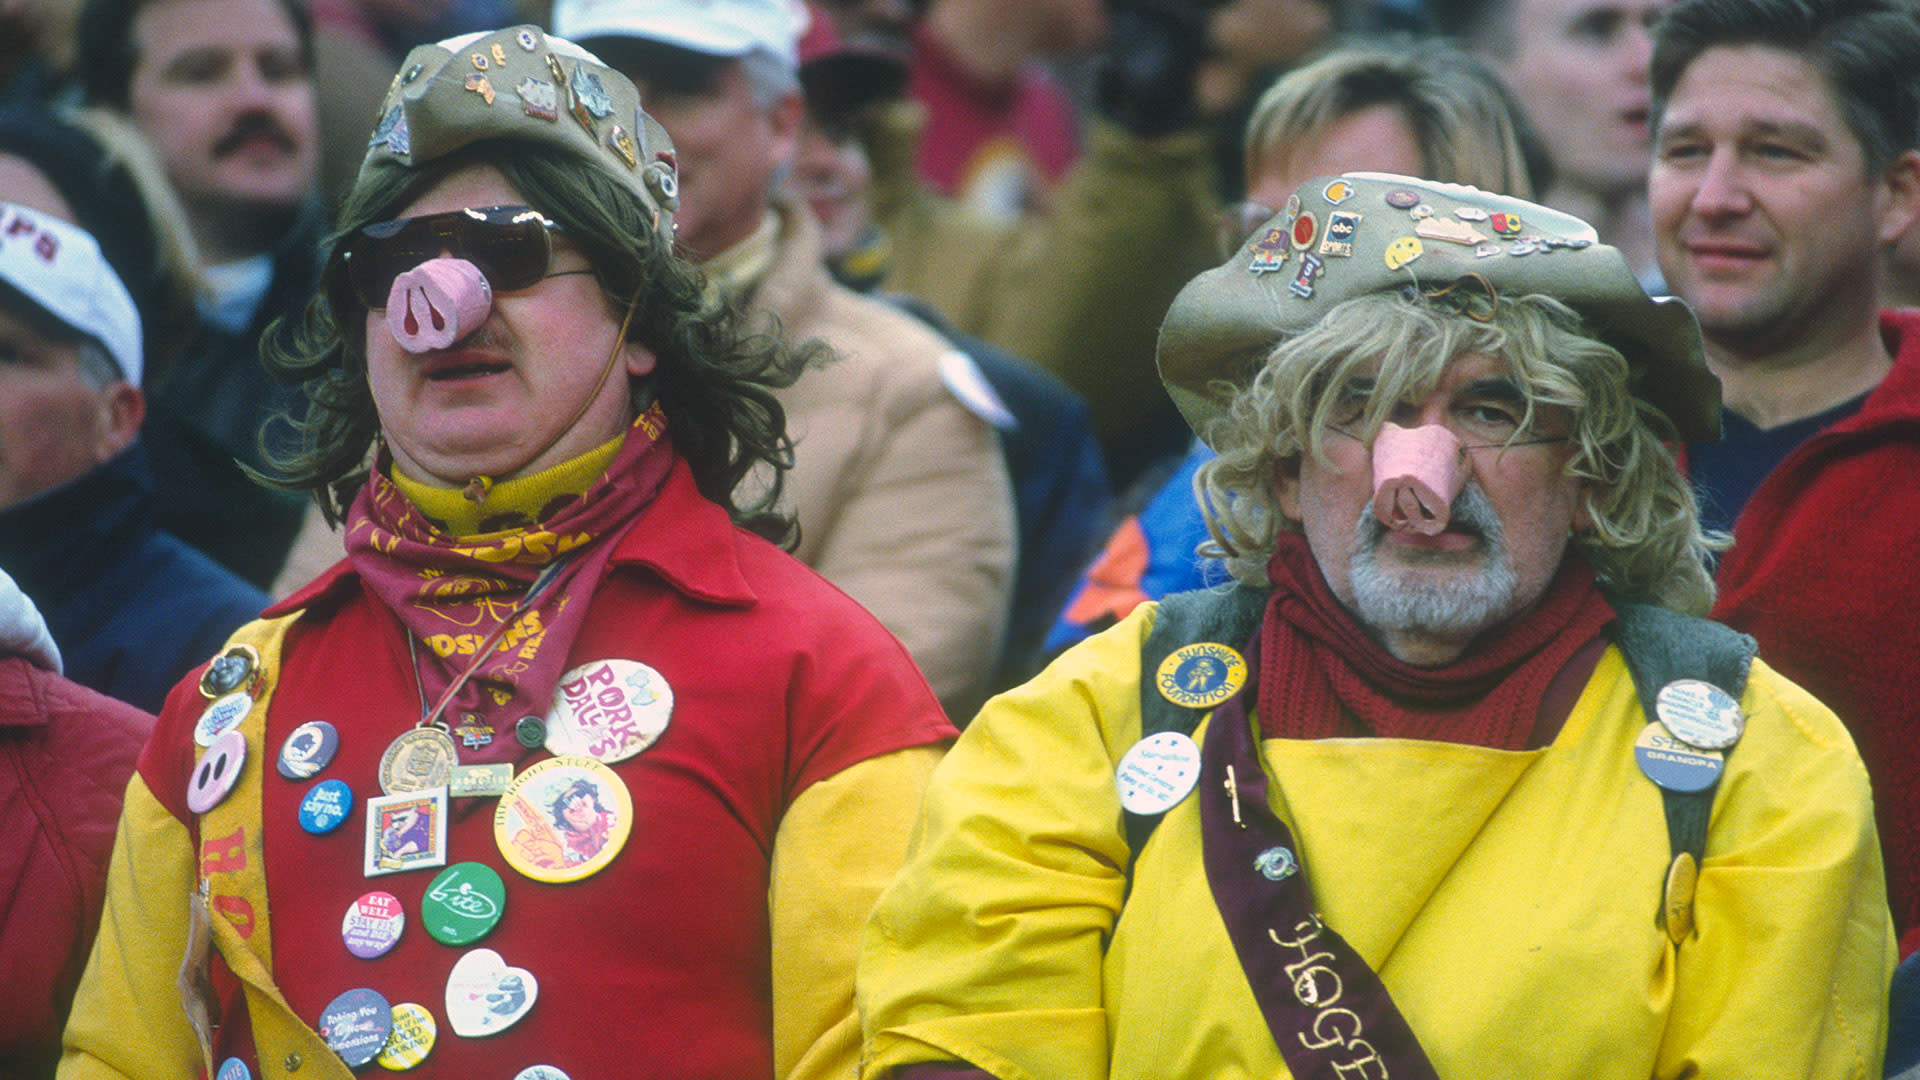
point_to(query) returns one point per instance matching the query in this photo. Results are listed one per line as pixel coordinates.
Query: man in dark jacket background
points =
(132, 607)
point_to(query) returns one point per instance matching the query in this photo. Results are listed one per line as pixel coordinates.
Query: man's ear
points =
(1286, 487)
(122, 408)
(1903, 206)
(786, 119)
(640, 360)
(1583, 500)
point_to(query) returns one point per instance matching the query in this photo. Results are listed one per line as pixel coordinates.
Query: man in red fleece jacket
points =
(1784, 166)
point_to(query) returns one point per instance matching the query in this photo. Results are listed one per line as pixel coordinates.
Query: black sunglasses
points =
(512, 246)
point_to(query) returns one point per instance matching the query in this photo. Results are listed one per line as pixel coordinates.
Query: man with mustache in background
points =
(223, 89)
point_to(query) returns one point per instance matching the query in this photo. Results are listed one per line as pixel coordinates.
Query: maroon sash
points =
(1329, 1013)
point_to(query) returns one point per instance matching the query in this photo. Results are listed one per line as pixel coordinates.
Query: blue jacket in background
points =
(132, 608)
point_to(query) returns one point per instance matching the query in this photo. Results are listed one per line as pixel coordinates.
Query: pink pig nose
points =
(437, 303)
(1416, 474)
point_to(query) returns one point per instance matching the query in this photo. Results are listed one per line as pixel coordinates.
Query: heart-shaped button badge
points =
(485, 996)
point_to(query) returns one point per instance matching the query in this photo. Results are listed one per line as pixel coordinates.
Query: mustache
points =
(1472, 513)
(250, 126)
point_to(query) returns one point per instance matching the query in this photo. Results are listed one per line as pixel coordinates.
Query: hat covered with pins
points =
(1340, 237)
(521, 83)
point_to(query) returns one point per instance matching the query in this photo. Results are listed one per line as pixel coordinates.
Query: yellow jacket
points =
(1507, 899)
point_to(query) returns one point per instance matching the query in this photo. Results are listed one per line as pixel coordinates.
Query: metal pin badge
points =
(1276, 864)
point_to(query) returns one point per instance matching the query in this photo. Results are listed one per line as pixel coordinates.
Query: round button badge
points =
(1700, 714)
(1158, 772)
(233, 1069)
(531, 731)
(326, 807)
(217, 771)
(373, 924)
(563, 819)
(222, 716)
(608, 710)
(464, 903)
(541, 1072)
(412, 1040)
(356, 1025)
(1201, 675)
(1673, 764)
(309, 748)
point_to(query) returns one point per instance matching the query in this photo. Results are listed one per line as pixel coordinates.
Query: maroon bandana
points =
(1335, 680)
(451, 592)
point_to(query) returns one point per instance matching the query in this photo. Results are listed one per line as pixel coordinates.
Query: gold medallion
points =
(419, 760)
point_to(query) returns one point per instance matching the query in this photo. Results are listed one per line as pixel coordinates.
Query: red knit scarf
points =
(1322, 676)
(451, 593)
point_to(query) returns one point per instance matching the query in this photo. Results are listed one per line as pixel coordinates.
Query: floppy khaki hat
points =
(1345, 236)
(520, 83)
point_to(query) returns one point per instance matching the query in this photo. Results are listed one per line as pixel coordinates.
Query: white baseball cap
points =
(58, 268)
(713, 27)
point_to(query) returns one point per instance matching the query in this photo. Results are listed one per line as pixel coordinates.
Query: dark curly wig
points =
(714, 377)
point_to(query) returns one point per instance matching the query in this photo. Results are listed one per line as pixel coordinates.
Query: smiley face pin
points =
(1402, 250)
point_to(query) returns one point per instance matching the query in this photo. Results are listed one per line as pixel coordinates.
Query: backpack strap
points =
(1226, 616)
(1660, 646)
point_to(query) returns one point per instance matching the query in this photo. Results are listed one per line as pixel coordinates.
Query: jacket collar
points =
(1898, 395)
(56, 539)
(795, 287)
(681, 536)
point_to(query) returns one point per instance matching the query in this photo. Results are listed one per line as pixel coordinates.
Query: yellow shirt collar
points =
(524, 495)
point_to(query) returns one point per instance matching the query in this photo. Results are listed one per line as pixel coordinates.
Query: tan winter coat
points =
(901, 492)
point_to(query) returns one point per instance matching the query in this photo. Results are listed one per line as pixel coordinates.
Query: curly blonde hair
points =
(1645, 543)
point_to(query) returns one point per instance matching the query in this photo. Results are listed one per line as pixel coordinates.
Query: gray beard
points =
(1405, 600)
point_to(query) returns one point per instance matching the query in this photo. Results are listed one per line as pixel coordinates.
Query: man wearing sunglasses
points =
(535, 424)
(900, 491)
(1455, 781)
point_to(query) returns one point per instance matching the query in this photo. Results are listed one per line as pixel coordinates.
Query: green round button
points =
(463, 903)
(531, 731)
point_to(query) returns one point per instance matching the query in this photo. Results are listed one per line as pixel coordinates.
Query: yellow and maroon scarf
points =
(453, 592)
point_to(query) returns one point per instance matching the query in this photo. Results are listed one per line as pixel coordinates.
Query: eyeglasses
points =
(1489, 415)
(512, 246)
